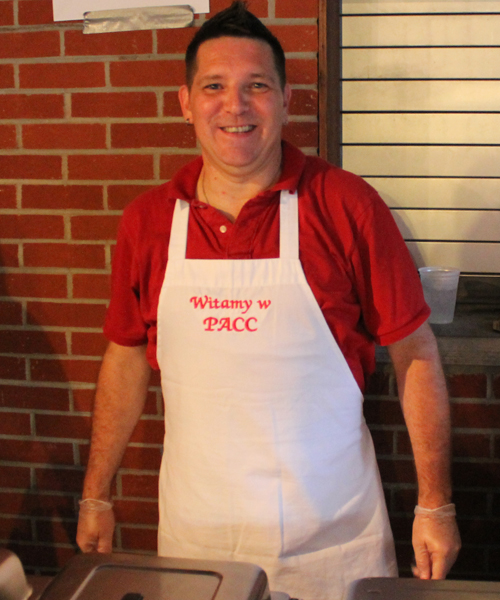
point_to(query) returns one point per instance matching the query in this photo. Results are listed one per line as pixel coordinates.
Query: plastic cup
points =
(440, 291)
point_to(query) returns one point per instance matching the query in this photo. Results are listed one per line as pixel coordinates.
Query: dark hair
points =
(234, 21)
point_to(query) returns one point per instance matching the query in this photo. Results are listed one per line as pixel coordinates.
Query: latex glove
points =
(95, 530)
(436, 543)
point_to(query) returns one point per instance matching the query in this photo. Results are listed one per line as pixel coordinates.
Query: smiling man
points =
(258, 281)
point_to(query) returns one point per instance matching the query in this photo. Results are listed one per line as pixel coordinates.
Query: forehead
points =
(235, 53)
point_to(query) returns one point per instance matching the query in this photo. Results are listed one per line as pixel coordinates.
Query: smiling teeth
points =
(243, 129)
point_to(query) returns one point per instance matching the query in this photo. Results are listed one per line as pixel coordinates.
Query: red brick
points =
(471, 503)
(120, 195)
(58, 532)
(29, 44)
(304, 102)
(7, 76)
(11, 313)
(496, 386)
(297, 38)
(122, 42)
(43, 398)
(258, 7)
(383, 441)
(91, 286)
(30, 167)
(62, 75)
(31, 226)
(403, 444)
(147, 73)
(296, 9)
(152, 135)
(171, 105)
(8, 136)
(142, 458)
(14, 424)
(301, 134)
(15, 529)
(387, 412)
(94, 227)
(404, 500)
(6, 13)
(497, 447)
(34, 451)
(479, 531)
(35, 12)
(33, 285)
(85, 371)
(36, 106)
(89, 135)
(136, 511)
(139, 538)
(171, 163)
(467, 385)
(149, 431)
(67, 314)
(15, 477)
(80, 197)
(471, 445)
(397, 471)
(71, 256)
(140, 485)
(62, 426)
(302, 71)
(88, 344)
(174, 41)
(35, 504)
(9, 255)
(155, 380)
(472, 475)
(108, 167)
(475, 415)
(33, 342)
(83, 400)
(114, 104)
(7, 196)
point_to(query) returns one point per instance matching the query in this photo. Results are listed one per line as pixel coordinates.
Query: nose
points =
(236, 100)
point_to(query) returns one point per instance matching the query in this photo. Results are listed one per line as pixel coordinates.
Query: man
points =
(257, 280)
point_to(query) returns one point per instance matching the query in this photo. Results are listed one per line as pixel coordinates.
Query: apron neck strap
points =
(289, 227)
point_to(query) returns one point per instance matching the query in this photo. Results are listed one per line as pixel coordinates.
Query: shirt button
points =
(223, 229)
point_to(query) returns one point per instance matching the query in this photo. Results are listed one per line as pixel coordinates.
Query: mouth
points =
(240, 129)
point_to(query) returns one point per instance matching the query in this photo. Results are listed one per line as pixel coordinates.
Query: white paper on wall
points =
(73, 10)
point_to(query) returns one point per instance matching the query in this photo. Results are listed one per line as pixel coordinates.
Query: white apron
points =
(267, 455)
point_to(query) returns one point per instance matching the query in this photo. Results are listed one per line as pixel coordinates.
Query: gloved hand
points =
(96, 525)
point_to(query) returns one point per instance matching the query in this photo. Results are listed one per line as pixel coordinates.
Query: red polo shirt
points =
(352, 253)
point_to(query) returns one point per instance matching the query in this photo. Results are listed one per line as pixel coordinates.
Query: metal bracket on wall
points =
(129, 19)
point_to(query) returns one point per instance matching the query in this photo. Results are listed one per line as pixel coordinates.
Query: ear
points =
(184, 102)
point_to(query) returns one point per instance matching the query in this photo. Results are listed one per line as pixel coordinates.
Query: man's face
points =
(236, 104)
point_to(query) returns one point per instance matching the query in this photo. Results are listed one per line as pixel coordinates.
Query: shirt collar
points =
(183, 184)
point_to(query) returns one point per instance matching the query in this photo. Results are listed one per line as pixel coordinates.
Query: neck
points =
(228, 193)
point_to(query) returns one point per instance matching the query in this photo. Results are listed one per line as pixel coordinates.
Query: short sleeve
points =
(124, 323)
(388, 283)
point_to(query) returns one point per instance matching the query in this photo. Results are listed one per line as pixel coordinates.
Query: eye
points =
(259, 85)
(213, 86)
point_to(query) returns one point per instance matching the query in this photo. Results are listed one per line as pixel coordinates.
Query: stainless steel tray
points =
(137, 577)
(388, 588)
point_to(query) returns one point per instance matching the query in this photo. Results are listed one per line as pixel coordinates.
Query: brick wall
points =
(475, 403)
(87, 123)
